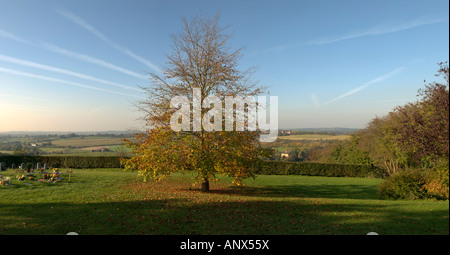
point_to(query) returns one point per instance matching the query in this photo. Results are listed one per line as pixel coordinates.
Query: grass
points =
(109, 201)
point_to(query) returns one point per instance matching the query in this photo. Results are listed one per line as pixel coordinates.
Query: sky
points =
(79, 65)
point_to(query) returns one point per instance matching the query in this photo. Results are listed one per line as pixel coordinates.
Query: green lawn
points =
(109, 201)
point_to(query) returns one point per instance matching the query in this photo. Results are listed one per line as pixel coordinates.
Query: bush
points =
(406, 184)
(438, 180)
(317, 169)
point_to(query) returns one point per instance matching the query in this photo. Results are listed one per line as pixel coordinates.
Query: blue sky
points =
(77, 65)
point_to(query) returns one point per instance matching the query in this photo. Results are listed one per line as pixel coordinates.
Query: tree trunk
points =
(205, 185)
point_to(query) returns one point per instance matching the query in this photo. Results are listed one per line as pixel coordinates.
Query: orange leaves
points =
(160, 152)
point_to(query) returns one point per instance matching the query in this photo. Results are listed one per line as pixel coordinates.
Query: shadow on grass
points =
(303, 191)
(216, 216)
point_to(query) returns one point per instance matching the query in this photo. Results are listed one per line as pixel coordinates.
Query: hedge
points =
(318, 169)
(265, 167)
(64, 161)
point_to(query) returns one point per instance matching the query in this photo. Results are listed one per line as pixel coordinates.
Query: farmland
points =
(67, 144)
(315, 137)
(299, 144)
(87, 142)
(110, 144)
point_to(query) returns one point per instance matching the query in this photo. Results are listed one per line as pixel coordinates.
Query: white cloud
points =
(314, 99)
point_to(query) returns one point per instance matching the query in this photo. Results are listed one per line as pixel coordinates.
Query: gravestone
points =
(22, 166)
(13, 166)
(45, 166)
(2, 166)
(38, 166)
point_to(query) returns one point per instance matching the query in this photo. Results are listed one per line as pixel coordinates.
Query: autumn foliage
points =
(201, 60)
(411, 143)
(159, 153)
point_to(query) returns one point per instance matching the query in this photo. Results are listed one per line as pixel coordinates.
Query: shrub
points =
(405, 184)
(438, 180)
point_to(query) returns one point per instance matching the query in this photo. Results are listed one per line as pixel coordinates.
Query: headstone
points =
(22, 166)
(38, 166)
(2, 166)
(45, 166)
(13, 166)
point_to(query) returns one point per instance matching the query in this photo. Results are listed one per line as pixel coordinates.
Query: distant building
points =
(285, 155)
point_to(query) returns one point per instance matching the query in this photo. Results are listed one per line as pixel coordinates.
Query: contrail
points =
(353, 91)
(92, 60)
(20, 73)
(377, 31)
(72, 54)
(13, 37)
(94, 31)
(60, 70)
(25, 98)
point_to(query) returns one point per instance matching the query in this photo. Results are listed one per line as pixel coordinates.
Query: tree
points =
(424, 128)
(342, 152)
(349, 152)
(203, 61)
(379, 140)
(415, 134)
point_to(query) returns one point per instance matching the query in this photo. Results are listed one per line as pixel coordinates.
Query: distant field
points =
(88, 142)
(73, 146)
(315, 137)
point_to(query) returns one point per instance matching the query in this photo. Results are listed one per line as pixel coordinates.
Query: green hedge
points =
(317, 169)
(64, 161)
(265, 167)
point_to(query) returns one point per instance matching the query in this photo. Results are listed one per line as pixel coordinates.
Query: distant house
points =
(104, 149)
(282, 132)
(33, 144)
(285, 155)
